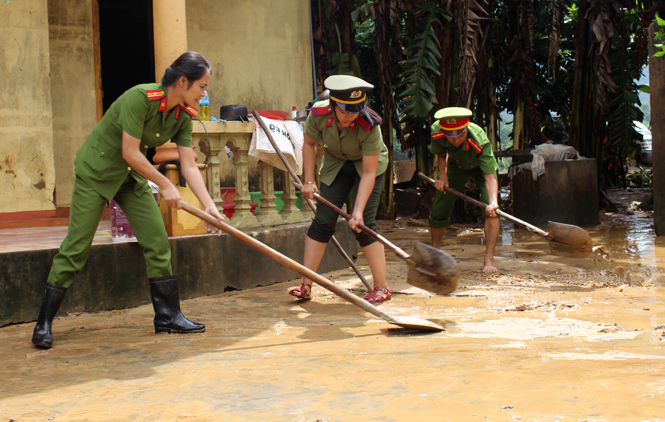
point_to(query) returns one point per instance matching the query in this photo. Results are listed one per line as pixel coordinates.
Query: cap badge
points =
(451, 121)
(356, 94)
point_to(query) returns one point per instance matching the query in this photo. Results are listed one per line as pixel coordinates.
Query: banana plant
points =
(422, 64)
(417, 91)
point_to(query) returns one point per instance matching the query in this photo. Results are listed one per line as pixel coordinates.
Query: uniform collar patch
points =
(474, 145)
(155, 94)
(363, 123)
(190, 110)
(320, 111)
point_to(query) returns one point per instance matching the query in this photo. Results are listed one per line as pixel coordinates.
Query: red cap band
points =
(452, 124)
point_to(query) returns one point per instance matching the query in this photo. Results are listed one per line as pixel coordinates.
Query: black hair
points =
(368, 114)
(191, 64)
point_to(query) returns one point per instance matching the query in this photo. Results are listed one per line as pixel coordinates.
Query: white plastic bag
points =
(550, 152)
(289, 138)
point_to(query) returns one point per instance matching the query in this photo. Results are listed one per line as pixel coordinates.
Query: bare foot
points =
(489, 267)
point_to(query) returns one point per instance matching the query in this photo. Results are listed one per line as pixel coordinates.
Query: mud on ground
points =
(546, 339)
(624, 251)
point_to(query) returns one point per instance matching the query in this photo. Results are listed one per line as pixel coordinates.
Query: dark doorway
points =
(126, 46)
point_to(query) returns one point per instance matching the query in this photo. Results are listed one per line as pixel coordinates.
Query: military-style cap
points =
(348, 92)
(453, 120)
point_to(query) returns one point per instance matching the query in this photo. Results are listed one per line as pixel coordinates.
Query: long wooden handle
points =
(295, 177)
(483, 205)
(286, 261)
(399, 252)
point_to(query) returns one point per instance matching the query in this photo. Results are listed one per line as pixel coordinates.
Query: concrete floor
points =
(547, 339)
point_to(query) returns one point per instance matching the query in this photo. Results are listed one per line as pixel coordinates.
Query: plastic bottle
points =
(294, 112)
(204, 107)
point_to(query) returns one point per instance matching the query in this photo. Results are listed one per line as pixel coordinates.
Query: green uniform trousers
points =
(443, 202)
(325, 221)
(86, 210)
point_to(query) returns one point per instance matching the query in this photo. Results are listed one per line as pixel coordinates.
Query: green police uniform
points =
(342, 167)
(355, 141)
(102, 174)
(473, 158)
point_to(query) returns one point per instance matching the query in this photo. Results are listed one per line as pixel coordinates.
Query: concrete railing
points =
(238, 136)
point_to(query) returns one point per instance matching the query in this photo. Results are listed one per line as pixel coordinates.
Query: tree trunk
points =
(445, 65)
(581, 119)
(519, 133)
(387, 55)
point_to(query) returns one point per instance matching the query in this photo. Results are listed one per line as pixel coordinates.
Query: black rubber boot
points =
(166, 301)
(53, 295)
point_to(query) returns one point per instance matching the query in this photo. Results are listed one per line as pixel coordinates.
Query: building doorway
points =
(127, 55)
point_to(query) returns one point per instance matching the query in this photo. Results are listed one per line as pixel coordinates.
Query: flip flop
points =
(304, 291)
(374, 296)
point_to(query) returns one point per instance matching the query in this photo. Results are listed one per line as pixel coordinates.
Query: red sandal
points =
(374, 296)
(304, 291)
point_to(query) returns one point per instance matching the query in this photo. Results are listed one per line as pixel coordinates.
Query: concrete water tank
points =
(566, 193)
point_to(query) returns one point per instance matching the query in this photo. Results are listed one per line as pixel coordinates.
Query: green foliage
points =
(624, 106)
(340, 62)
(641, 178)
(362, 13)
(422, 64)
(660, 36)
(365, 40)
(571, 16)
(552, 94)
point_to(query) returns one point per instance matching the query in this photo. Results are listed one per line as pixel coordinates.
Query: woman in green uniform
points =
(356, 159)
(112, 164)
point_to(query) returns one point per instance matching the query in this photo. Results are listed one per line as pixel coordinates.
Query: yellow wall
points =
(260, 54)
(72, 86)
(259, 51)
(27, 175)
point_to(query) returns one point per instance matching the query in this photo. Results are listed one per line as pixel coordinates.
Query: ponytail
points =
(192, 65)
(372, 117)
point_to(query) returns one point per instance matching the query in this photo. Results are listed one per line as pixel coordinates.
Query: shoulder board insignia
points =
(162, 104)
(329, 121)
(190, 110)
(438, 135)
(155, 94)
(363, 124)
(474, 145)
(320, 111)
